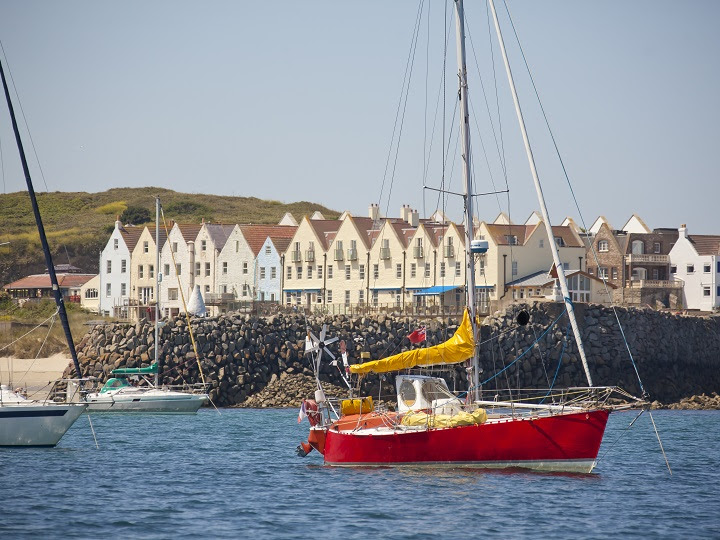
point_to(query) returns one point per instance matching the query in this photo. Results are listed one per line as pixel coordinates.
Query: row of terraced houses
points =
(375, 262)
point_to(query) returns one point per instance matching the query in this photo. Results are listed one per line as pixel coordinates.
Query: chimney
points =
(374, 212)
(413, 218)
(405, 212)
(682, 231)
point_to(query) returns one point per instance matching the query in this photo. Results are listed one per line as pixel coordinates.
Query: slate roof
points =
(219, 233)
(706, 244)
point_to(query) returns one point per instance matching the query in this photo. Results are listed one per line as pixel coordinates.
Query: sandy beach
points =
(35, 374)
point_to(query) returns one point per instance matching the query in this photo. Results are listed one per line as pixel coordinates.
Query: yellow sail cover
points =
(458, 348)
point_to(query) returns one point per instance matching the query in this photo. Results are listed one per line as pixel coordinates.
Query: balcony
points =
(449, 252)
(352, 254)
(418, 252)
(339, 255)
(643, 258)
(218, 299)
(385, 253)
(310, 255)
(655, 283)
(296, 256)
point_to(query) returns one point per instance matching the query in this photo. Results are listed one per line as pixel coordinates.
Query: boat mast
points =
(465, 132)
(541, 200)
(41, 231)
(157, 284)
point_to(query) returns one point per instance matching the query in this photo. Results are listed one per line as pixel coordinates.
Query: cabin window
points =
(174, 247)
(237, 246)
(374, 298)
(511, 239)
(207, 289)
(541, 243)
(481, 266)
(603, 246)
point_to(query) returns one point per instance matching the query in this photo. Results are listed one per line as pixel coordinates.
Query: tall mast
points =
(541, 199)
(41, 231)
(157, 285)
(465, 132)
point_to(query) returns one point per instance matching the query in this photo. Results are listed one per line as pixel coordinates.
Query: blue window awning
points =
(301, 290)
(437, 290)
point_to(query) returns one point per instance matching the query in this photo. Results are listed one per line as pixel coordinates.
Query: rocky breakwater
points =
(260, 362)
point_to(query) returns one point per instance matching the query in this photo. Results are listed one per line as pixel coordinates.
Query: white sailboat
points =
(26, 422)
(121, 394)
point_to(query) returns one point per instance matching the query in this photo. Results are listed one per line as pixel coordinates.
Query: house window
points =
(329, 296)
(203, 245)
(347, 271)
(442, 269)
(566, 266)
(178, 269)
(541, 243)
(245, 269)
(141, 273)
(237, 246)
(309, 271)
(298, 272)
(109, 267)
(656, 247)
(319, 271)
(224, 289)
(514, 268)
(174, 247)
(115, 243)
(603, 246)
(398, 271)
(690, 268)
(376, 271)
(207, 289)
(413, 270)
(123, 289)
(347, 298)
(603, 272)
(123, 266)
(457, 269)
(273, 272)
(268, 250)
(706, 291)
(511, 239)
(151, 271)
(262, 272)
(197, 269)
(374, 295)
(718, 291)
(362, 271)
(481, 266)
(207, 269)
(427, 270)
(614, 273)
(560, 241)
(108, 290)
(245, 289)
(591, 270)
(706, 268)
(361, 296)
(289, 272)
(718, 267)
(224, 270)
(167, 269)
(146, 247)
(91, 293)
(656, 273)
(330, 271)
(673, 269)
(172, 294)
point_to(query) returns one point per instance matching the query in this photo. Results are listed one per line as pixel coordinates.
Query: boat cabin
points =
(114, 383)
(420, 392)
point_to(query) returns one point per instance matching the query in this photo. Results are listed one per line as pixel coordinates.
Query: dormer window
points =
(560, 241)
(511, 239)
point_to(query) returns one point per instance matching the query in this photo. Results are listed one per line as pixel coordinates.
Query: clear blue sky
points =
(293, 100)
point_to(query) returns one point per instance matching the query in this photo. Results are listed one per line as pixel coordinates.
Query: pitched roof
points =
(131, 235)
(325, 229)
(219, 233)
(544, 278)
(161, 233)
(500, 234)
(189, 231)
(706, 244)
(42, 281)
(255, 235)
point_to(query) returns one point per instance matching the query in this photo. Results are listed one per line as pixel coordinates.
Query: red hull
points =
(565, 442)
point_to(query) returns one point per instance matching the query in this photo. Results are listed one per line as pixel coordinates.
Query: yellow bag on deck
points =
(356, 406)
(478, 416)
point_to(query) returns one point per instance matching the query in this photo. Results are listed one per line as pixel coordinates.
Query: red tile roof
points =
(42, 281)
(326, 229)
(131, 235)
(255, 235)
(706, 244)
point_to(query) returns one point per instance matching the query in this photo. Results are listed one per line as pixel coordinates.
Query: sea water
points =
(236, 475)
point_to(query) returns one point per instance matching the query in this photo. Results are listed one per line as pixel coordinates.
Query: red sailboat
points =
(432, 425)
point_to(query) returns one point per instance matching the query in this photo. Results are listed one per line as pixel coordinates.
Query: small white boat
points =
(120, 395)
(26, 422)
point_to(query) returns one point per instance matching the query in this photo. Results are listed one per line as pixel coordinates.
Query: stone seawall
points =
(241, 356)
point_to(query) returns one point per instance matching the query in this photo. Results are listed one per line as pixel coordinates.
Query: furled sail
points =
(457, 349)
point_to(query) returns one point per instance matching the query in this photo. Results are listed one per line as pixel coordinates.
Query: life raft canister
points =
(311, 409)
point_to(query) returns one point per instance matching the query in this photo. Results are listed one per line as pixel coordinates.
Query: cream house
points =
(210, 240)
(142, 273)
(349, 253)
(177, 258)
(388, 257)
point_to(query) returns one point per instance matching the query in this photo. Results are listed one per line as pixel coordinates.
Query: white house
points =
(115, 270)
(177, 258)
(695, 259)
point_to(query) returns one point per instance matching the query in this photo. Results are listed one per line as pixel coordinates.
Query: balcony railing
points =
(352, 254)
(310, 255)
(418, 252)
(449, 252)
(635, 258)
(296, 256)
(215, 299)
(655, 283)
(339, 255)
(384, 253)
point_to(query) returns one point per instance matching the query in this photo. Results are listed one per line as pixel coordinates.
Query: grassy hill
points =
(78, 224)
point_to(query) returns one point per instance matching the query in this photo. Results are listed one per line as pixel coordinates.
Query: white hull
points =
(36, 424)
(580, 466)
(139, 400)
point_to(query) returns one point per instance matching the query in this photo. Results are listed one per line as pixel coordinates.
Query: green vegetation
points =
(78, 224)
(135, 215)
